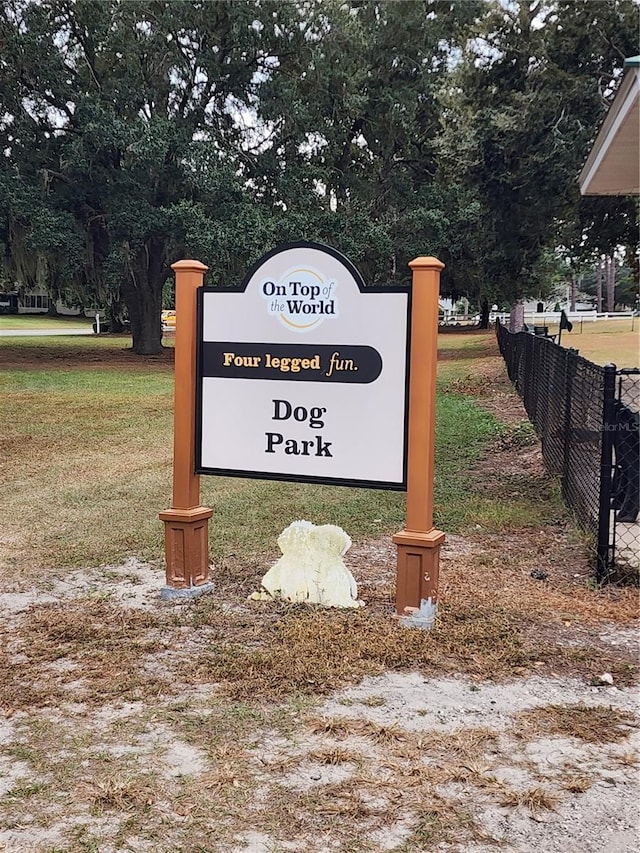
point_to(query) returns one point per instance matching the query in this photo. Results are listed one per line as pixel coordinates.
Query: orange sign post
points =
(419, 542)
(186, 522)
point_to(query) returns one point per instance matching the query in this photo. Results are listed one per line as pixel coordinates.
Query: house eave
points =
(613, 165)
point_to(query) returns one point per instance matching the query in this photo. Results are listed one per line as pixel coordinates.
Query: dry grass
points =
(342, 728)
(628, 759)
(535, 799)
(373, 701)
(227, 776)
(310, 651)
(578, 784)
(333, 727)
(335, 755)
(592, 724)
(382, 735)
(400, 779)
(122, 794)
(347, 800)
(92, 649)
(89, 650)
(439, 822)
(463, 744)
(353, 811)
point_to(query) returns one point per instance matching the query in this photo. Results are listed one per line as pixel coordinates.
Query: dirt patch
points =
(68, 356)
(133, 724)
(400, 762)
(463, 353)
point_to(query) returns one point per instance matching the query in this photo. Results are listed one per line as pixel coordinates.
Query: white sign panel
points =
(302, 374)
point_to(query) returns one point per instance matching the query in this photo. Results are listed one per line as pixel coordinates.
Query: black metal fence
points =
(587, 419)
(625, 484)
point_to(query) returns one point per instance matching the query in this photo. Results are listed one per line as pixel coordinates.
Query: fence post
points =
(606, 470)
(565, 436)
(525, 368)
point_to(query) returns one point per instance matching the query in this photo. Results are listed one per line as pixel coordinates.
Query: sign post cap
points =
(183, 266)
(428, 263)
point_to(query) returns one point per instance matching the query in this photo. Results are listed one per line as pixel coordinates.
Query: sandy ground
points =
(594, 787)
(603, 818)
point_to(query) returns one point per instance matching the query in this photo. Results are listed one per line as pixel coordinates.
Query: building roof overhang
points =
(613, 166)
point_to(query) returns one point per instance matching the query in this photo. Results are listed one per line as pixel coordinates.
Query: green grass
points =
(86, 446)
(463, 432)
(86, 455)
(93, 345)
(107, 386)
(250, 514)
(43, 321)
(475, 342)
(606, 341)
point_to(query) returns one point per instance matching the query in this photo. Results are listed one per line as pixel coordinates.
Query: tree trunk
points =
(117, 310)
(516, 317)
(574, 291)
(611, 285)
(484, 315)
(52, 310)
(142, 292)
(599, 269)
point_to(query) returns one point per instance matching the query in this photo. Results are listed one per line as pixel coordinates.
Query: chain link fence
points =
(625, 484)
(587, 419)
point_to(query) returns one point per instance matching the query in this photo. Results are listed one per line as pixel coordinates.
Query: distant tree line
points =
(137, 132)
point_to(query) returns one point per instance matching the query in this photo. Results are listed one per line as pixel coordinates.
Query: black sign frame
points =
(200, 375)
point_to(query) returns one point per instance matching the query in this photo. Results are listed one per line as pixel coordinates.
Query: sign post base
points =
(418, 565)
(168, 593)
(186, 536)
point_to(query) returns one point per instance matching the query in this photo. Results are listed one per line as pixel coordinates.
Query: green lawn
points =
(86, 440)
(606, 341)
(42, 321)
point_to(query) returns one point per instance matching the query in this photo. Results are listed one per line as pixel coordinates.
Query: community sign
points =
(302, 373)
